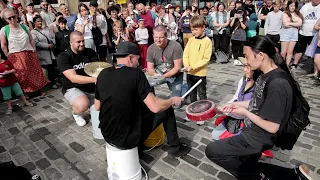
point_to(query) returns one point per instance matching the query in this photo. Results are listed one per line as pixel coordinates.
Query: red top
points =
(9, 79)
(148, 20)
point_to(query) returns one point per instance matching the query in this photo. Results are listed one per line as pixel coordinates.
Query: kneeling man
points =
(129, 111)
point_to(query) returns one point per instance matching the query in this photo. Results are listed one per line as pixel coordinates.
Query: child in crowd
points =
(62, 36)
(118, 34)
(185, 25)
(196, 57)
(8, 82)
(253, 26)
(142, 36)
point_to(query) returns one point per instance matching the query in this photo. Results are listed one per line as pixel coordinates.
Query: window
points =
(54, 3)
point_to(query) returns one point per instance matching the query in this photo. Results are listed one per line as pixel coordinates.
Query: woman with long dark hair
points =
(291, 22)
(262, 116)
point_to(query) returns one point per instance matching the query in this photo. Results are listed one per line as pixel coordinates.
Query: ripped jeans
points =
(175, 86)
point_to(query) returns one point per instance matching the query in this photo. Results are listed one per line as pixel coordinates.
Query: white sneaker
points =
(187, 119)
(200, 123)
(79, 120)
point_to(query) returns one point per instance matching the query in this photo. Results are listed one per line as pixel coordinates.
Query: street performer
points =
(77, 86)
(129, 111)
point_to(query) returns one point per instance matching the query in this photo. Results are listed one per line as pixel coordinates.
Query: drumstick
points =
(194, 86)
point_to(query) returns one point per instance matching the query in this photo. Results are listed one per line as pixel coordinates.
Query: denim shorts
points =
(288, 34)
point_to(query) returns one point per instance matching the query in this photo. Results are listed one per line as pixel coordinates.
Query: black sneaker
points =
(179, 151)
(263, 177)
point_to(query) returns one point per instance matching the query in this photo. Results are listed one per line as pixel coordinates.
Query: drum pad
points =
(201, 110)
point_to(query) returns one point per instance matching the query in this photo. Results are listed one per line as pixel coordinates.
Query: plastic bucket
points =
(123, 164)
(95, 123)
(156, 138)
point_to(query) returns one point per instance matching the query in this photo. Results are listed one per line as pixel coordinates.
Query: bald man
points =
(149, 18)
(71, 18)
(77, 87)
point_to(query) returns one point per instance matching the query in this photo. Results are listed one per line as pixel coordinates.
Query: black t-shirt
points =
(69, 60)
(275, 108)
(265, 12)
(121, 93)
(249, 8)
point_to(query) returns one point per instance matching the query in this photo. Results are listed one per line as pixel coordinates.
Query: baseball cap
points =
(94, 3)
(240, 9)
(239, 1)
(126, 48)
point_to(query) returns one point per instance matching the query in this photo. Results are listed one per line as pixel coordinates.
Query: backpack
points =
(7, 30)
(291, 128)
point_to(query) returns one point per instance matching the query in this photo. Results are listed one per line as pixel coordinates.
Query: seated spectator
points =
(243, 93)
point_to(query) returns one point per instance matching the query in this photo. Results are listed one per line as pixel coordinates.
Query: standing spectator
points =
(238, 4)
(54, 27)
(113, 11)
(149, 18)
(263, 15)
(273, 24)
(253, 26)
(292, 21)
(167, 20)
(30, 12)
(8, 83)
(310, 13)
(196, 57)
(47, 16)
(185, 25)
(51, 9)
(100, 22)
(249, 7)
(118, 34)
(221, 21)
(84, 25)
(62, 37)
(238, 37)
(142, 36)
(45, 42)
(71, 18)
(18, 45)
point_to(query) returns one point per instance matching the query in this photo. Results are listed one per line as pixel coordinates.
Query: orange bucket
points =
(156, 138)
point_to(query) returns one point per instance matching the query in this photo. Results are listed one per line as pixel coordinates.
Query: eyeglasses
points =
(11, 18)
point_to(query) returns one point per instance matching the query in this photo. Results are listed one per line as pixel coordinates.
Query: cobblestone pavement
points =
(45, 139)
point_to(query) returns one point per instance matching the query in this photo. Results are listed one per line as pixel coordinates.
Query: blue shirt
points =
(71, 21)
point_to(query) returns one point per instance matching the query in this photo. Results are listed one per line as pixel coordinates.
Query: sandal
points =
(9, 111)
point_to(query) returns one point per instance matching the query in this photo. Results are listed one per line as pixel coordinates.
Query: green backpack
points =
(7, 30)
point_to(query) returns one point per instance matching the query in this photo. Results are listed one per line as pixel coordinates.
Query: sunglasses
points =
(131, 14)
(11, 18)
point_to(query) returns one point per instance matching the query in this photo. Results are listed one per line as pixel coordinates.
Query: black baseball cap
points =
(126, 48)
(94, 3)
(30, 4)
(241, 9)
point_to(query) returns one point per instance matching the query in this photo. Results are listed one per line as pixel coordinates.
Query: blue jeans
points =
(175, 86)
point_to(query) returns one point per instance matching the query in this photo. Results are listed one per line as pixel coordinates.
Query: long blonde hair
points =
(117, 24)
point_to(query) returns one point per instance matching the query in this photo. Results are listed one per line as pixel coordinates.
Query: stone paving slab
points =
(46, 140)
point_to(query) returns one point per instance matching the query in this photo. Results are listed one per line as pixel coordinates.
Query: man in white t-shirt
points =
(310, 13)
(30, 12)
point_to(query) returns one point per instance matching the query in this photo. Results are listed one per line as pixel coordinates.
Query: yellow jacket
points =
(197, 54)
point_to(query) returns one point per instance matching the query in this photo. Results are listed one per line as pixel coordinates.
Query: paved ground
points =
(46, 140)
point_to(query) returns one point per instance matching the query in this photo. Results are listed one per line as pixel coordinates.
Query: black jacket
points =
(62, 40)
